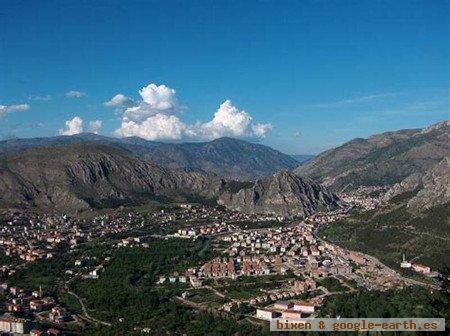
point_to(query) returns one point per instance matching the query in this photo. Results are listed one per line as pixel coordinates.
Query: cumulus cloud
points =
(73, 126)
(75, 94)
(13, 108)
(95, 126)
(119, 100)
(156, 116)
(76, 126)
(158, 126)
(156, 99)
(228, 121)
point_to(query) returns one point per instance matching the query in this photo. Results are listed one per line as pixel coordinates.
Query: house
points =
(36, 305)
(311, 283)
(14, 325)
(283, 305)
(195, 282)
(266, 314)
(292, 314)
(54, 332)
(299, 286)
(421, 268)
(57, 315)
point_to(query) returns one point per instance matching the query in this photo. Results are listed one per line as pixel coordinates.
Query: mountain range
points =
(382, 159)
(85, 175)
(225, 157)
(87, 170)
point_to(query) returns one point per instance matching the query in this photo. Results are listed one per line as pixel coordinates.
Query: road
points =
(85, 311)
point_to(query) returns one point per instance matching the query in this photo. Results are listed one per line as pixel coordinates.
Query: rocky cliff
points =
(283, 193)
(81, 176)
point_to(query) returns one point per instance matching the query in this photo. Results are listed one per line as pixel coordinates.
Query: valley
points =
(116, 244)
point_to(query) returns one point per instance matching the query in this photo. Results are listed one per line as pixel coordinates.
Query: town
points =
(268, 266)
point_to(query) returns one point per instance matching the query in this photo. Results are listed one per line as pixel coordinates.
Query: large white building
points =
(265, 314)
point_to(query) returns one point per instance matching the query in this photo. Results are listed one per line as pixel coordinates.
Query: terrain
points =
(283, 193)
(127, 246)
(412, 168)
(303, 158)
(382, 159)
(83, 176)
(225, 157)
(393, 231)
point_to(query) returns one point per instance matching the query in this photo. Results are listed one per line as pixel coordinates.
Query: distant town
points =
(296, 269)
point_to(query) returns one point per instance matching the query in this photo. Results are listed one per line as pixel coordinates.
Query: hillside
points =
(225, 157)
(302, 158)
(425, 190)
(390, 232)
(82, 176)
(382, 159)
(283, 193)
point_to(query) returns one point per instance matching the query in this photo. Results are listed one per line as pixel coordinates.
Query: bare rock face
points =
(436, 187)
(431, 188)
(82, 176)
(283, 193)
(225, 157)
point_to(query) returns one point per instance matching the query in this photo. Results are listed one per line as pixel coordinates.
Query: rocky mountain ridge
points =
(83, 176)
(383, 159)
(283, 193)
(224, 157)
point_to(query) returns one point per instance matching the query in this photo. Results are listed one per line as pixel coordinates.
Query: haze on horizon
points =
(299, 77)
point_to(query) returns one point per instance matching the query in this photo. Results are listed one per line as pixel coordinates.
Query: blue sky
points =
(300, 76)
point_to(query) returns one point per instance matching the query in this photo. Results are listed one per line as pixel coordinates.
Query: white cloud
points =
(228, 121)
(95, 126)
(119, 100)
(156, 117)
(76, 126)
(159, 97)
(261, 130)
(155, 99)
(41, 98)
(158, 126)
(75, 94)
(73, 126)
(13, 108)
(17, 108)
